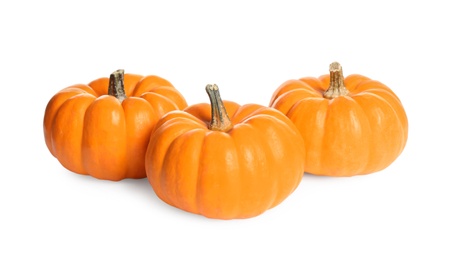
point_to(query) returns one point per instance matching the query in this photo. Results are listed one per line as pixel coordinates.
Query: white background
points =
(248, 49)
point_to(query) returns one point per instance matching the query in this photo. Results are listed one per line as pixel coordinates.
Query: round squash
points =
(206, 162)
(102, 129)
(350, 126)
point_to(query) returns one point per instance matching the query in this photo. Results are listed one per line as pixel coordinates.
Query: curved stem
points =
(220, 120)
(116, 85)
(337, 87)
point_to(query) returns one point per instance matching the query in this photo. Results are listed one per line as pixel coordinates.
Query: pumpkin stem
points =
(220, 120)
(116, 85)
(337, 87)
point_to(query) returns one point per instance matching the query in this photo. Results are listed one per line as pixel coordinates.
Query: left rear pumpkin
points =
(102, 128)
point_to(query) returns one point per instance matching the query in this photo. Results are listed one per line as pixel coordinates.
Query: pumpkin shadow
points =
(143, 189)
(311, 176)
(140, 189)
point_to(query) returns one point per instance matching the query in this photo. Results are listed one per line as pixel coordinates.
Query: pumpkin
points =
(223, 160)
(102, 128)
(351, 126)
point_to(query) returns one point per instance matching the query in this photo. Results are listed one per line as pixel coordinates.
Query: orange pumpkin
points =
(350, 126)
(102, 129)
(203, 161)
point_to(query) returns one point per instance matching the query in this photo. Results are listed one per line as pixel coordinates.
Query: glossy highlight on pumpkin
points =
(102, 128)
(225, 161)
(351, 126)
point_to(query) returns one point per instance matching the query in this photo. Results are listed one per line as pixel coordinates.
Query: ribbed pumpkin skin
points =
(225, 175)
(91, 132)
(358, 133)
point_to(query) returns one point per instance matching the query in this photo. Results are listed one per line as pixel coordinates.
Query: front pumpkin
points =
(102, 129)
(205, 162)
(350, 126)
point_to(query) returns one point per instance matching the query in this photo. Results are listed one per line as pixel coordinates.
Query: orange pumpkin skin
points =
(234, 174)
(360, 132)
(93, 133)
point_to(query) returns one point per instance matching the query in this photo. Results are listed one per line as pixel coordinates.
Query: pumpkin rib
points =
(366, 84)
(364, 123)
(149, 83)
(392, 98)
(317, 84)
(130, 83)
(396, 105)
(183, 116)
(66, 141)
(374, 157)
(274, 188)
(196, 176)
(373, 86)
(160, 104)
(297, 102)
(200, 112)
(253, 165)
(312, 113)
(333, 140)
(290, 85)
(138, 129)
(384, 91)
(213, 198)
(271, 141)
(79, 87)
(172, 94)
(286, 86)
(389, 111)
(51, 110)
(186, 197)
(172, 129)
(199, 141)
(105, 158)
(285, 101)
(155, 162)
(354, 81)
(98, 86)
(290, 140)
(170, 177)
(246, 111)
(231, 177)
